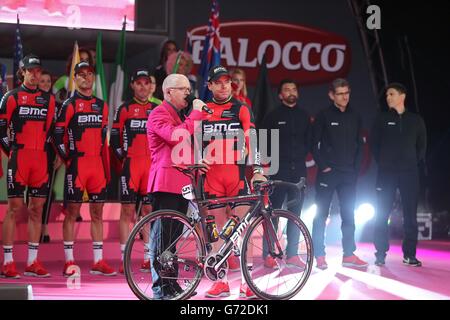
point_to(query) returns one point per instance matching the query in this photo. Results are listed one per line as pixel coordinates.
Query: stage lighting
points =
(364, 213)
(309, 214)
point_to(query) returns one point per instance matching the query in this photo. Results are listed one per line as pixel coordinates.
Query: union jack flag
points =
(211, 51)
(18, 53)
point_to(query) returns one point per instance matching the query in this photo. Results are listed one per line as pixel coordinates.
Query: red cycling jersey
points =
(129, 131)
(229, 133)
(129, 142)
(28, 114)
(80, 137)
(81, 127)
(229, 142)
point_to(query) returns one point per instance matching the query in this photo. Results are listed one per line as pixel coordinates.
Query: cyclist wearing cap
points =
(229, 137)
(129, 142)
(80, 140)
(27, 113)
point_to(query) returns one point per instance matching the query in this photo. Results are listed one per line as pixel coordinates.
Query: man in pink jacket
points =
(167, 131)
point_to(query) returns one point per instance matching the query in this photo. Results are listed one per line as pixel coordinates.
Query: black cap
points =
(216, 72)
(140, 73)
(30, 61)
(83, 64)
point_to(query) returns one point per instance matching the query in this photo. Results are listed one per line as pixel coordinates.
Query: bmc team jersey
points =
(129, 142)
(79, 137)
(229, 140)
(28, 114)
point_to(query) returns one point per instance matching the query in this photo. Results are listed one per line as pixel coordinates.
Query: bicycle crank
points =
(210, 264)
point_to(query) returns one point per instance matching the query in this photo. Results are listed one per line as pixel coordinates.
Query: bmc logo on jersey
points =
(90, 118)
(30, 111)
(138, 124)
(221, 127)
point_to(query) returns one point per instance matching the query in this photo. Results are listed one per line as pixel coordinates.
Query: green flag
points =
(101, 91)
(177, 63)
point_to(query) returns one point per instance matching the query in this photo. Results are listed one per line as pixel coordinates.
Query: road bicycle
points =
(180, 251)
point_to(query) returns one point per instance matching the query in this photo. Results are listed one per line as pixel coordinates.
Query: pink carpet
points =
(391, 282)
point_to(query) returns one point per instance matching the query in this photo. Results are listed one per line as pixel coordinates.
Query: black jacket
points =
(295, 136)
(337, 139)
(398, 141)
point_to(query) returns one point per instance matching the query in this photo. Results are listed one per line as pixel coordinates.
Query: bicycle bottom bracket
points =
(210, 272)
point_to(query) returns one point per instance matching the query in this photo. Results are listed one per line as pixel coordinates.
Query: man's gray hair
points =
(171, 81)
(338, 83)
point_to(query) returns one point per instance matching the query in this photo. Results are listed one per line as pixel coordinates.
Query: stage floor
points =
(394, 281)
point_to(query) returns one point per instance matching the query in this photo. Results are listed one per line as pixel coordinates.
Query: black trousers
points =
(281, 195)
(344, 183)
(408, 184)
(169, 231)
(278, 198)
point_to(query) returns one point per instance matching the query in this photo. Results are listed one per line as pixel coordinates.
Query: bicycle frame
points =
(254, 211)
(255, 201)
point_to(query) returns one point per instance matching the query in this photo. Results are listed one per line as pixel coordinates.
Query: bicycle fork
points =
(270, 235)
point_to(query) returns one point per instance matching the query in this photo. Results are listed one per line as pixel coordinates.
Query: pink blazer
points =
(162, 123)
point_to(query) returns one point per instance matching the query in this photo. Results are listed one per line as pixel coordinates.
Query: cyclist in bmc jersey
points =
(80, 138)
(129, 142)
(26, 116)
(229, 140)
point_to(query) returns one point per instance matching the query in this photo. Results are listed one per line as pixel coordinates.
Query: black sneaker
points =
(412, 261)
(176, 290)
(380, 261)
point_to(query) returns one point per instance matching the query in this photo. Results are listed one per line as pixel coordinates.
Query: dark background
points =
(428, 32)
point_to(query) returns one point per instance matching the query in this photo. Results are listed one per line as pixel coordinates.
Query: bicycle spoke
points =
(285, 280)
(159, 228)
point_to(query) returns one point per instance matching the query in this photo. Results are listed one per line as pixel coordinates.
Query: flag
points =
(211, 51)
(75, 59)
(263, 101)
(18, 54)
(177, 62)
(118, 84)
(115, 100)
(101, 90)
(188, 44)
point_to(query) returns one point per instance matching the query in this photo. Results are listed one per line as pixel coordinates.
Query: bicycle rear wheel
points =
(293, 264)
(175, 250)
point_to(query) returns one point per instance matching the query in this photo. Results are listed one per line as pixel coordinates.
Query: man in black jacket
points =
(337, 150)
(398, 144)
(293, 124)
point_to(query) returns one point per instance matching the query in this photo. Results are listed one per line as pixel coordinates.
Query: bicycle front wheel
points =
(163, 255)
(277, 264)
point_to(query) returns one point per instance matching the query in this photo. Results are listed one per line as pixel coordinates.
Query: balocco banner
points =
(307, 55)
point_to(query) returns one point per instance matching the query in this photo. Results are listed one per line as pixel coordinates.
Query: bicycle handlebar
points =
(188, 169)
(279, 183)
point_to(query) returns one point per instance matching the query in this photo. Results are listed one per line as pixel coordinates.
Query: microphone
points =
(190, 98)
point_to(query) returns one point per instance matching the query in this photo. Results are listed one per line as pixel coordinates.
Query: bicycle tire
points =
(250, 275)
(133, 246)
